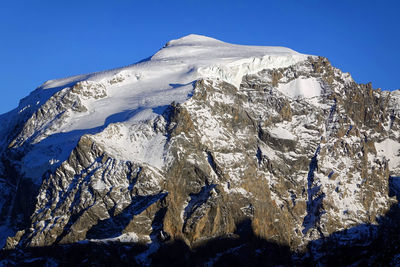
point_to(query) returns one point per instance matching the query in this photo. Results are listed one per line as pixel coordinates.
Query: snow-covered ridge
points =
(212, 58)
(169, 76)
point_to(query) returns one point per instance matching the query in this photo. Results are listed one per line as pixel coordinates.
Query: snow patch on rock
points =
(301, 88)
(390, 150)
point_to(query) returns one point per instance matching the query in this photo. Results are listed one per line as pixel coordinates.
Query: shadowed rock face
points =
(244, 165)
(241, 248)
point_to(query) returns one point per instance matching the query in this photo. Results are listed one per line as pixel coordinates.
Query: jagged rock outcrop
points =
(297, 149)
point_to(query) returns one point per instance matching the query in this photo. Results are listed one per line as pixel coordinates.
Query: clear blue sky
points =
(43, 40)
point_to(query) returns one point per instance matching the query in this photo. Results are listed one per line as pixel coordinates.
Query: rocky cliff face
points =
(277, 142)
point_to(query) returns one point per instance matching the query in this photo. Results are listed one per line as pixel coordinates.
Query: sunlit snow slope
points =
(169, 75)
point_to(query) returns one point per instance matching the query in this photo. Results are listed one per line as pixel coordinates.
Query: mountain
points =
(203, 153)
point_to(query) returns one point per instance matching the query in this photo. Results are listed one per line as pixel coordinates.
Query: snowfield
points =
(147, 87)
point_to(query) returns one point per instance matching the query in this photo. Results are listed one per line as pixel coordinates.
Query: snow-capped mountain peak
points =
(198, 142)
